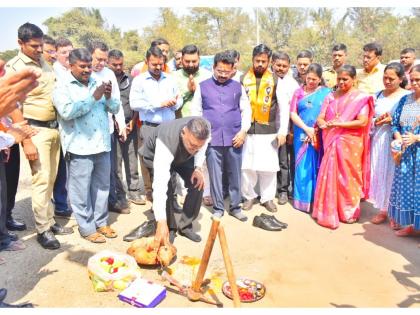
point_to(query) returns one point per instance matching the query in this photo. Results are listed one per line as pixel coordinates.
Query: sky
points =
(128, 15)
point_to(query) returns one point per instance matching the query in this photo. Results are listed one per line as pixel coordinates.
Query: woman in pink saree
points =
(344, 174)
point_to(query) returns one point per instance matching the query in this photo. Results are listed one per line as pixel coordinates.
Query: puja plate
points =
(249, 290)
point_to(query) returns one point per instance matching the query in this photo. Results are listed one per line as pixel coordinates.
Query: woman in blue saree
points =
(304, 109)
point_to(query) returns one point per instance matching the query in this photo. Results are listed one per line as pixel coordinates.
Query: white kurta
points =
(382, 163)
(259, 154)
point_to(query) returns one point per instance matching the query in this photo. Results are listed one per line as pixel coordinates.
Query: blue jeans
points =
(88, 190)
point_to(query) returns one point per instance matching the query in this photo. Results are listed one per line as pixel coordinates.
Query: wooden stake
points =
(229, 267)
(206, 255)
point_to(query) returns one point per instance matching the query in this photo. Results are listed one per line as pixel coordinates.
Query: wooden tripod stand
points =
(216, 229)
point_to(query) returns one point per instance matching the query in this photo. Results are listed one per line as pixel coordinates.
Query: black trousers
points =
(286, 174)
(192, 203)
(12, 177)
(127, 152)
(4, 236)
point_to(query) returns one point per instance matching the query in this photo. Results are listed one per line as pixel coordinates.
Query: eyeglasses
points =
(223, 72)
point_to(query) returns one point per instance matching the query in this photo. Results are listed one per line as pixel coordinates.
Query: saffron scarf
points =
(261, 101)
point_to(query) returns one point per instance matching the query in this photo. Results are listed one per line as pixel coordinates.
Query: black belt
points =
(150, 124)
(53, 124)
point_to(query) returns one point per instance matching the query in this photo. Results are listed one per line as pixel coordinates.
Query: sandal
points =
(107, 231)
(379, 218)
(15, 245)
(3, 261)
(394, 225)
(95, 238)
(408, 231)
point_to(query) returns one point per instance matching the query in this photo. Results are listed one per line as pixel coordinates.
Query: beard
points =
(259, 71)
(191, 70)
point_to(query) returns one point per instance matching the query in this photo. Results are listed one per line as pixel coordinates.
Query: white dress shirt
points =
(285, 89)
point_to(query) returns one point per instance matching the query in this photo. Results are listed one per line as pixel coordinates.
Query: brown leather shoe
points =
(270, 206)
(247, 204)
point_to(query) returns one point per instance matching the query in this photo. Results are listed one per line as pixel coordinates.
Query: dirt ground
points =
(358, 265)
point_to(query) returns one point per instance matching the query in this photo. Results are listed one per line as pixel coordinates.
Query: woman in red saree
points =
(343, 177)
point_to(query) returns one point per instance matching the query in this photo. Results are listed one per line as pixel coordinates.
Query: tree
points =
(8, 54)
(218, 29)
(69, 26)
(168, 26)
(365, 21)
(95, 27)
(278, 25)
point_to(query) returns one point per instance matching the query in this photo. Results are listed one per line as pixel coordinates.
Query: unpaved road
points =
(358, 265)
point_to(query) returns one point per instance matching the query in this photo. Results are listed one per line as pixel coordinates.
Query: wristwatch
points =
(198, 168)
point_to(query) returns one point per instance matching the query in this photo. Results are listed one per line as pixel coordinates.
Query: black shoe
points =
(188, 233)
(270, 206)
(172, 235)
(58, 229)
(265, 224)
(14, 225)
(48, 240)
(13, 236)
(275, 220)
(119, 208)
(176, 206)
(6, 305)
(247, 204)
(146, 229)
(136, 198)
(63, 213)
(3, 293)
(283, 199)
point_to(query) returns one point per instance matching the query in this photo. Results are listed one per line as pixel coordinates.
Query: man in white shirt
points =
(287, 86)
(61, 67)
(63, 48)
(178, 146)
(100, 73)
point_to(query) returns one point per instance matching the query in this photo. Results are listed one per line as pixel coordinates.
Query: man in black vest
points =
(175, 146)
(125, 150)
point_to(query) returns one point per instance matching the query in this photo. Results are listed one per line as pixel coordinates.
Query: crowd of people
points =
(324, 138)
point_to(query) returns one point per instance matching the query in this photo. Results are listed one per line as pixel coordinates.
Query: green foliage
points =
(170, 27)
(95, 27)
(216, 29)
(278, 25)
(8, 54)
